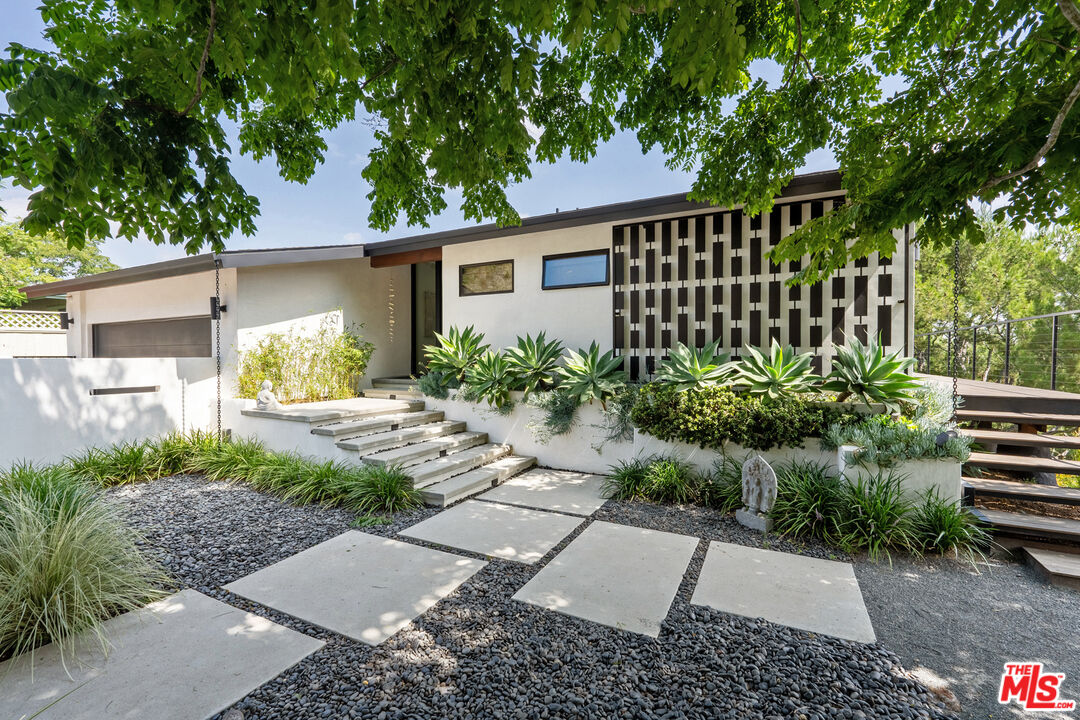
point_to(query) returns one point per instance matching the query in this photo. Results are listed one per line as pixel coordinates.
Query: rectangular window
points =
(172, 337)
(580, 269)
(486, 278)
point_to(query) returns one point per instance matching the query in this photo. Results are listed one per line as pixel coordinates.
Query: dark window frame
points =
(461, 277)
(580, 253)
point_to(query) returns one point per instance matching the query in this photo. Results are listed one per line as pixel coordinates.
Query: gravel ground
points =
(480, 654)
(955, 626)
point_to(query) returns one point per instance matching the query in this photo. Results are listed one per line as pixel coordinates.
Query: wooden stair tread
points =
(1019, 418)
(1016, 490)
(1004, 437)
(1025, 463)
(1036, 525)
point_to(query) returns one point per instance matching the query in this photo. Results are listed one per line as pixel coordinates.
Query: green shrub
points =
(884, 441)
(558, 412)
(721, 488)
(876, 516)
(128, 462)
(688, 368)
(534, 362)
(711, 417)
(618, 425)
(864, 371)
(237, 459)
(456, 352)
(780, 375)
(809, 501)
(67, 560)
(942, 526)
(588, 375)
(669, 479)
(172, 454)
(377, 489)
(436, 384)
(325, 365)
(626, 479)
(490, 378)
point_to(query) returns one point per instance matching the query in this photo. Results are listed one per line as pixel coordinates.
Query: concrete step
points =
(370, 444)
(459, 487)
(394, 394)
(428, 450)
(1038, 527)
(1018, 418)
(1024, 463)
(381, 423)
(335, 411)
(991, 438)
(1016, 490)
(433, 471)
(398, 383)
(1057, 567)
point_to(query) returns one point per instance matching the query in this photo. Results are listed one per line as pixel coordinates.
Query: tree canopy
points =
(128, 120)
(27, 259)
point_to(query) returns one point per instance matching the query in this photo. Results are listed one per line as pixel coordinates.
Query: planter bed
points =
(480, 653)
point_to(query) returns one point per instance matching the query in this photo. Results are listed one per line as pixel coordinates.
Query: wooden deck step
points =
(1059, 568)
(1016, 490)
(1035, 526)
(1018, 418)
(1022, 439)
(1024, 463)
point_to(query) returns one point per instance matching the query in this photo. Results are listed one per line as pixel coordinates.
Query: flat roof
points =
(807, 184)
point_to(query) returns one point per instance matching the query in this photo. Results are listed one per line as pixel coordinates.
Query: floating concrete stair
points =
(459, 487)
(1056, 566)
(398, 383)
(370, 444)
(427, 450)
(378, 424)
(337, 411)
(394, 394)
(457, 463)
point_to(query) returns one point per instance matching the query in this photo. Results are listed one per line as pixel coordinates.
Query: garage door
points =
(169, 337)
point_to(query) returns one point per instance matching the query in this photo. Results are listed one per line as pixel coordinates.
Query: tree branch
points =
(799, 55)
(202, 61)
(1072, 14)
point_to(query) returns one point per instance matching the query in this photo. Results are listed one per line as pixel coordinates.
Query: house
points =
(636, 276)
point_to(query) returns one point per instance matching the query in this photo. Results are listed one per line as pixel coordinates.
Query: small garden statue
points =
(265, 400)
(758, 494)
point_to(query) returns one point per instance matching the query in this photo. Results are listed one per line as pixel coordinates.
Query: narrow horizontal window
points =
(580, 269)
(486, 278)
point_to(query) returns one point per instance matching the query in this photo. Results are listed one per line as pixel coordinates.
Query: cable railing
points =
(1040, 351)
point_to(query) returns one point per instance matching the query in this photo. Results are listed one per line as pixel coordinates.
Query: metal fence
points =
(1041, 351)
(29, 320)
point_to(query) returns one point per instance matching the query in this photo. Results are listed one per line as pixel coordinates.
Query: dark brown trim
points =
(580, 253)
(409, 257)
(126, 390)
(801, 185)
(461, 289)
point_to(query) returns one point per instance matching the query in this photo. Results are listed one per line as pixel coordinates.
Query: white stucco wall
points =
(49, 413)
(298, 297)
(577, 316)
(33, 343)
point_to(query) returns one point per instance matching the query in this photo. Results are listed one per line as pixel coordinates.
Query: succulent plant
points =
(782, 374)
(534, 361)
(866, 372)
(588, 375)
(456, 352)
(490, 379)
(688, 368)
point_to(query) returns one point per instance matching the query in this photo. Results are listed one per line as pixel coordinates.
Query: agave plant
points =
(587, 375)
(689, 368)
(456, 352)
(782, 374)
(490, 378)
(534, 362)
(867, 373)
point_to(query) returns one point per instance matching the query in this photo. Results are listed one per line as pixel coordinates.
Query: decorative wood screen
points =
(696, 278)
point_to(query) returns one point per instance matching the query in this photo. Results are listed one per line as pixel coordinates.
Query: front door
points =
(426, 308)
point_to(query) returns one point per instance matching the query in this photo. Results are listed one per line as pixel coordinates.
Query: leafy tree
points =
(1014, 274)
(126, 121)
(27, 259)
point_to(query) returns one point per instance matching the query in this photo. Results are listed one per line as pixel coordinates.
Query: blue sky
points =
(332, 208)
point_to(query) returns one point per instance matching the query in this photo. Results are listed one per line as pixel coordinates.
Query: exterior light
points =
(216, 308)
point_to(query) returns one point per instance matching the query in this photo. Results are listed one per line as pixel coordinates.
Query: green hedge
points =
(710, 417)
